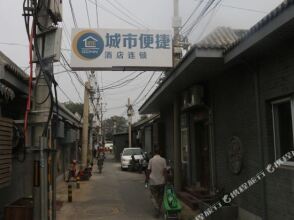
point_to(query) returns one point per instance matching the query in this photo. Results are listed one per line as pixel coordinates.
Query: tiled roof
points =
(220, 38)
(13, 68)
(268, 18)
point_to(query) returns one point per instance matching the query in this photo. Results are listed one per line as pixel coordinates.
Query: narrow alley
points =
(198, 94)
(114, 194)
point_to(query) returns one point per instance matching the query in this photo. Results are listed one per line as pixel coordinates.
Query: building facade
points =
(17, 153)
(229, 103)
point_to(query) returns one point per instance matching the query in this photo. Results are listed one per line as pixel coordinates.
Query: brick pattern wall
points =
(167, 126)
(276, 81)
(235, 115)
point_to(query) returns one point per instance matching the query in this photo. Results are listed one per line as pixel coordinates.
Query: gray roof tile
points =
(220, 38)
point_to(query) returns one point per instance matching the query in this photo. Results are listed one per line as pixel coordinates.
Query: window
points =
(283, 127)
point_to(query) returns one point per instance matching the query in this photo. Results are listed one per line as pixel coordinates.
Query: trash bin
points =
(22, 209)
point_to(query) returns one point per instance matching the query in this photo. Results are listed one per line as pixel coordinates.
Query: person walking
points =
(156, 176)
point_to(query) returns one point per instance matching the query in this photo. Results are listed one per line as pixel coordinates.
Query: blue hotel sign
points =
(105, 49)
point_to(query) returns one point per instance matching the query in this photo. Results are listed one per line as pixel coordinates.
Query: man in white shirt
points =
(157, 176)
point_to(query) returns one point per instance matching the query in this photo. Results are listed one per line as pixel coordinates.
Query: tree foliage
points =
(108, 126)
(74, 107)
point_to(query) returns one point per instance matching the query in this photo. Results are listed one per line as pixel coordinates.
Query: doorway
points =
(202, 153)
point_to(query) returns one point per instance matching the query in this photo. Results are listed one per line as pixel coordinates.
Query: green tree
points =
(108, 126)
(74, 107)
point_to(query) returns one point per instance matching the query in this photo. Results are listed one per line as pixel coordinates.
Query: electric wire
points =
(214, 9)
(14, 44)
(75, 73)
(151, 88)
(97, 14)
(244, 9)
(124, 83)
(191, 28)
(120, 85)
(123, 78)
(64, 93)
(48, 82)
(193, 12)
(201, 14)
(112, 13)
(88, 14)
(136, 99)
(80, 81)
(241, 8)
(131, 13)
(73, 14)
(74, 85)
(125, 14)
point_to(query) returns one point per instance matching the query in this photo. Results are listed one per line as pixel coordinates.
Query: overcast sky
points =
(155, 14)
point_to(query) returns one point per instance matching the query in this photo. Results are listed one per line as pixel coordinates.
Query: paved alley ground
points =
(112, 195)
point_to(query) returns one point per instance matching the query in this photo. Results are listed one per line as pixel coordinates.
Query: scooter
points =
(171, 205)
(136, 164)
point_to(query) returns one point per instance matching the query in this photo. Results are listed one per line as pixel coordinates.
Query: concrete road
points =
(112, 195)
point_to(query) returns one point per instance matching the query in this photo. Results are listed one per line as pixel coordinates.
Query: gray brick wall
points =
(276, 81)
(21, 183)
(167, 125)
(235, 115)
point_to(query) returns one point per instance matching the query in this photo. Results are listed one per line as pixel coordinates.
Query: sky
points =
(129, 14)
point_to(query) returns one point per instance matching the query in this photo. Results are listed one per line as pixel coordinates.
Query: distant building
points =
(120, 141)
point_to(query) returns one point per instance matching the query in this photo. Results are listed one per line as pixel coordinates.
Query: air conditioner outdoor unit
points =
(197, 93)
(185, 99)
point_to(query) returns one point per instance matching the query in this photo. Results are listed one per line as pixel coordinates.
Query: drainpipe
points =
(260, 142)
(259, 131)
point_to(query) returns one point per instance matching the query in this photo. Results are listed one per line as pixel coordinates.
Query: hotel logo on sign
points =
(88, 45)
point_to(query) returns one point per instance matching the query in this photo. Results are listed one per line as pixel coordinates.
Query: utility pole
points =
(85, 125)
(177, 55)
(92, 111)
(130, 112)
(43, 102)
(177, 23)
(101, 114)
